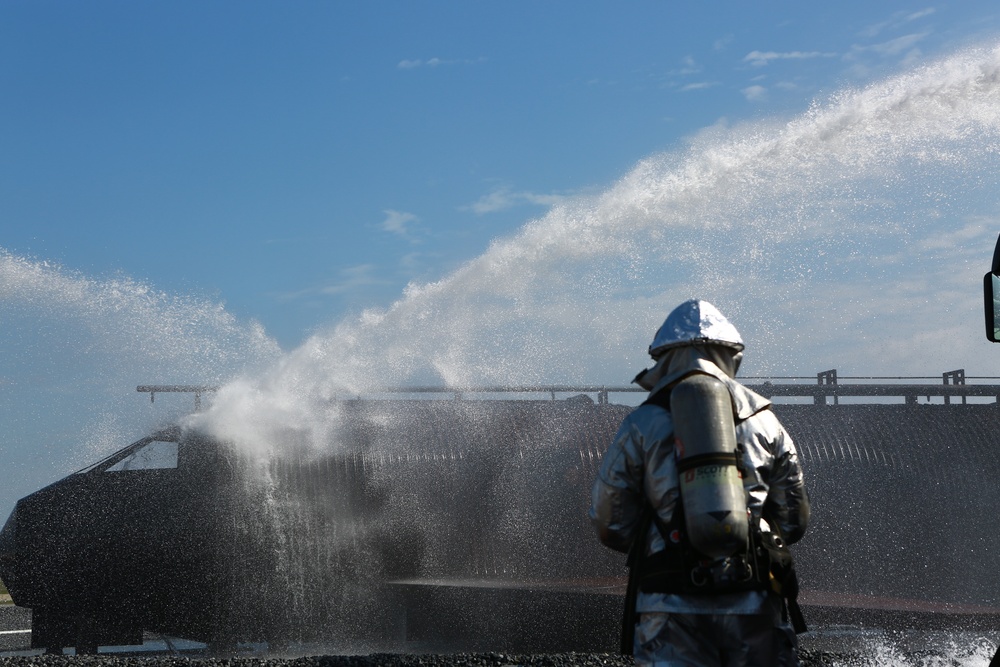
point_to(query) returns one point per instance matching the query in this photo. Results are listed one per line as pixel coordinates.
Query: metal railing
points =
(827, 385)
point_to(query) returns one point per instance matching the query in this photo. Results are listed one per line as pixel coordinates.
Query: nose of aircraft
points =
(8, 550)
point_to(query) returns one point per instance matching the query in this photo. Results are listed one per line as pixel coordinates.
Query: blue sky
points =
(173, 172)
(299, 161)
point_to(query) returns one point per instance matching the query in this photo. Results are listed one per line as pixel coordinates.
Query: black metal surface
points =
(222, 548)
(97, 552)
(905, 501)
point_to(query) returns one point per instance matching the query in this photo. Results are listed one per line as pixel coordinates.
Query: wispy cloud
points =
(976, 232)
(721, 43)
(437, 62)
(905, 46)
(920, 14)
(412, 262)
(698, 85)
(689, 66)
(898, 45)
(352, 279)
(896, 20)
(688, 76)
(504, 198)
(755, 93)
(349, 280)
(397, 222)
(761, 58)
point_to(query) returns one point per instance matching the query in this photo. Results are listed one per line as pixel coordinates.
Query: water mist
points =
(852, 235)
(74, 348)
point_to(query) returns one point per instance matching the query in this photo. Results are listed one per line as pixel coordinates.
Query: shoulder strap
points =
(635, 562)
(660, 398)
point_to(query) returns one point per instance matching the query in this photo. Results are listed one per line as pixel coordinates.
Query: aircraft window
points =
(154, 455)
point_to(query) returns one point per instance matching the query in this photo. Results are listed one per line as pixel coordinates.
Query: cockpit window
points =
(154, 455)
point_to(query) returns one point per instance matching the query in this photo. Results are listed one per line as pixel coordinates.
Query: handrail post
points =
(956, 377)
(826, 378)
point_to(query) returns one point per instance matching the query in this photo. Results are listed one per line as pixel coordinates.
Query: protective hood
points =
(694, 322)
(681, 361)
(719, 362)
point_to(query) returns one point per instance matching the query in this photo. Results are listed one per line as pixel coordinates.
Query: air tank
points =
(711, 486)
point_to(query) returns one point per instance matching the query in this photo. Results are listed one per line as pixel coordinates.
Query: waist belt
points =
(679, 568)
(669, 572)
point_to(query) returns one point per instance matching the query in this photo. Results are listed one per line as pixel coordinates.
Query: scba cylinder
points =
(715, 508)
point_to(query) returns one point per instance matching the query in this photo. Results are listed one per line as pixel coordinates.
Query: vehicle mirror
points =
(991, 294)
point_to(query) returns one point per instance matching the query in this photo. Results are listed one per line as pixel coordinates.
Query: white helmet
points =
(695, 322)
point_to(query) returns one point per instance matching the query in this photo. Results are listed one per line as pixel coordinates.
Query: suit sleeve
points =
(787, 504)
(616, 498)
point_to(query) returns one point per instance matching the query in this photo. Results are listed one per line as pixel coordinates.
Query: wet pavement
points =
(833, 646)
(808, 659)
(15, 628)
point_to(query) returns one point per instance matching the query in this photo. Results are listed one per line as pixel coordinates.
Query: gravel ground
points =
(808, 658)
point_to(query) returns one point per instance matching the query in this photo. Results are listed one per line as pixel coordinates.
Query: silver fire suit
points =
(744, 628)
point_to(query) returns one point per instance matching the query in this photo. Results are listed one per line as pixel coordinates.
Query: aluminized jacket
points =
(641, 464)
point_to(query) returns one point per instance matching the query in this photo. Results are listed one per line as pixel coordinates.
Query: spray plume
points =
(786, 226)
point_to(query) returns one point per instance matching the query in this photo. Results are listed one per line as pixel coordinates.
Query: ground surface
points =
(809, 659)
(843, 646)
(971, 657)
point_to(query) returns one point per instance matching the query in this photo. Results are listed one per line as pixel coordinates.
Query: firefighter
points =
(703, 488)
